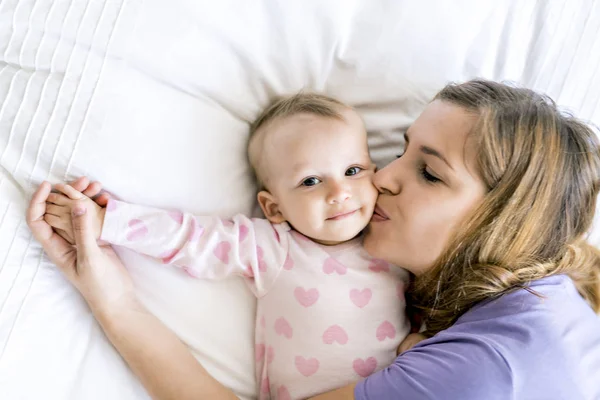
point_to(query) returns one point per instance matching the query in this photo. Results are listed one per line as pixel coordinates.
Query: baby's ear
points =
(270, 207)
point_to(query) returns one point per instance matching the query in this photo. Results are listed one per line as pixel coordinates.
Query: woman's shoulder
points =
(541, 302)
(545, 333)
(547, 312)
(532, 345)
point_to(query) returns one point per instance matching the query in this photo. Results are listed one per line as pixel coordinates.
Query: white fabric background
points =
(153, 98)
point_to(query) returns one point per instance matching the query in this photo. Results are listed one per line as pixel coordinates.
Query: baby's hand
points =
(59, 206)
(410, 341)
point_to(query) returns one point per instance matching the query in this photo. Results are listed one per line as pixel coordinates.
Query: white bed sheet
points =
(153, 98)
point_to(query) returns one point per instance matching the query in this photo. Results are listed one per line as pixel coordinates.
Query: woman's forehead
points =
(445, 127)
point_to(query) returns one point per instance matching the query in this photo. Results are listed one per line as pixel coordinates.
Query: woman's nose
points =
(388, 179)
(338, 193)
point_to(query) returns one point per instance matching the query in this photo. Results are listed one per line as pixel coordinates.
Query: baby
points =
(328, 313)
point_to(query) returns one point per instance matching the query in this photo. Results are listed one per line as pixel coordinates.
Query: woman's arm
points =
(345, 393)
(162, 362)
(165, 365)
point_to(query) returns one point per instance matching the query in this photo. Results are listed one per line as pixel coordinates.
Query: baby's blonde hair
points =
(284, 107)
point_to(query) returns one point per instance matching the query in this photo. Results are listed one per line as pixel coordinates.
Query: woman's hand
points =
(410, 341)
(95, 271)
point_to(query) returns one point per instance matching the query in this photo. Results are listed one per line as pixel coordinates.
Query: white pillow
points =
(154, 98)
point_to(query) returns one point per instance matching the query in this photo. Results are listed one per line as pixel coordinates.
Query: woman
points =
(487, 207)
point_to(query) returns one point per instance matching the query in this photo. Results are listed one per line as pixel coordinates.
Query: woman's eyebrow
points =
(435, 153)
(430, 151)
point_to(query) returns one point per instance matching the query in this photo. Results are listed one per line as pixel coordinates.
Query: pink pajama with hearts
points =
(327, 316)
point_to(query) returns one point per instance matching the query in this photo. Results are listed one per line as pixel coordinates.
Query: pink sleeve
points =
(205, 247)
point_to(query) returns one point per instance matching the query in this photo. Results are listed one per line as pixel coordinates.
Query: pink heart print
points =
(335, 333)
(263, 321)
(283, 328)
(289, 263)
(332, 265)
(306, 297)
(283, 393)
(360, 298)
(366, 367)
(248, 272)
(307, 367)
(259, 352)
(167, 256)
(222, 251)
(138, 230)
(265, 385)
(176, 216)
(379, 266)
(197, 230)
(270, 354)
(262, 265)
(243, 233)
(385, 330)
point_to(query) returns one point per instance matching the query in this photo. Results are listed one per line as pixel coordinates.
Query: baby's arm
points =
(206, 247)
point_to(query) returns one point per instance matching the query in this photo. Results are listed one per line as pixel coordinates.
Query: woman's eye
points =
(312, 181)
(427, 176)
(353, 171)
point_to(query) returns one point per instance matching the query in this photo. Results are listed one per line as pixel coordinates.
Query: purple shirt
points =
(518, 346)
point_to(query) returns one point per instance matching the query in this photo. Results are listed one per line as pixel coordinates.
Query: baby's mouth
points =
(342, 215)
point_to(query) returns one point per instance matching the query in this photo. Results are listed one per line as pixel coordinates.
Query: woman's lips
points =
(379, 215)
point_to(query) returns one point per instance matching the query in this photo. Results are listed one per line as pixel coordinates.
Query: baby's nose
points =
(338, 194)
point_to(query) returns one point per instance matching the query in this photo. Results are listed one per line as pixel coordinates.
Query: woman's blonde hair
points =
(542, 171)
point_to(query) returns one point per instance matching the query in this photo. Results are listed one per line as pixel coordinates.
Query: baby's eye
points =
(353, 171)
(312, 181)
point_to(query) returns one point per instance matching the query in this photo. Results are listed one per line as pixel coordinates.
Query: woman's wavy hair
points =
(542, 171)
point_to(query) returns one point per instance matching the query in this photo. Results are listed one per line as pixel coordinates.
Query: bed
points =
(154, 98)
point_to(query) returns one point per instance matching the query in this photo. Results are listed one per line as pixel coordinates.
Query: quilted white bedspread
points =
(153, 98)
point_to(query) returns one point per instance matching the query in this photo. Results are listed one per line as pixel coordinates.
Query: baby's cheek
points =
(370, 194)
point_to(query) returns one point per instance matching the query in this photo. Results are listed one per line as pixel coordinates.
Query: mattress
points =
(154, 98)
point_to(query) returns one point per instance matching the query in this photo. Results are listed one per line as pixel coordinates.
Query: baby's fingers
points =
(58, 199)
(59, 211)
(58, 222)
(68, 191)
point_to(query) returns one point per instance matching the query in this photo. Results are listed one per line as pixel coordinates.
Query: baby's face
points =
(320, 175)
